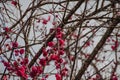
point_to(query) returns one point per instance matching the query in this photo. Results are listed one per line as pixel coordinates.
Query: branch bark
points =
(96, 49)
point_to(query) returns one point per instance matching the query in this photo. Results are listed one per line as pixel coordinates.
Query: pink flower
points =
(54, 23)
(43, 62)
(115, 46)
(21, 72)
(6, 29)
(59, 35)
(87, 44)
(46, 76)
(61, 52)
(44, 52)
(51, 44)
(39, 68)
(25, 61)
(34, 71)
(16, 52)
(43, 79)
(58, 76)
(14, 44)
(54, 57)
(15, 64)
(114, 77)
(22, 51)
(58, 29)
(71, 58)
(14, 3)
(49, 17)
(57, 66)
(7, 64)
(5, 77)
(45, 21)
(52, 29)
(64, 73)
(60, 60)
(61, 42)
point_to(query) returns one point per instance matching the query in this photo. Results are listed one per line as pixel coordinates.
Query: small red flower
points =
(54, 57)
(49, 17)
(43, 62)
(43, 79)
(57, 66)
(61, 52)
(14, 3)
(45, 21)
(39, 68)
(5, 77)
(72, 58)
(7, 64)
(58, 76)
(64, 73)
(21, 72)
(16, 52)
(44, 52)
(114, 77)
(25, 61)
(46, 76)
(33, 72)
(22, 51)
(59, 35)
(61, 41)
(54, 23)
(60, 60)
(115, 46)
(59, 29)
(15, 64)
(6, 29)
(14, 44)
(51, 44)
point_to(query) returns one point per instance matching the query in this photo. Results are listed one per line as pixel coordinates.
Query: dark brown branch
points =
(96, 49)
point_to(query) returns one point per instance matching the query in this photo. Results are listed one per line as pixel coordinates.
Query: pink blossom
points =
(16, 52)
(54, 23)
(21, 72)
(34, 71)
(39, 68)
(58, 29)
(43, 62)
(45, 21)
(57, 66)
(5, 77)
(44, 52)
(61, 41)
(25, 61)
(51, 44)
(61, 52)
(6, 29)
(58, 76)
(49, 17)
(15, 64)
(60, 60)
(22, 51)
(14, 44)
(54, 57)
(7, 64)
(14, 3)
(59, 35)
(114, 77)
